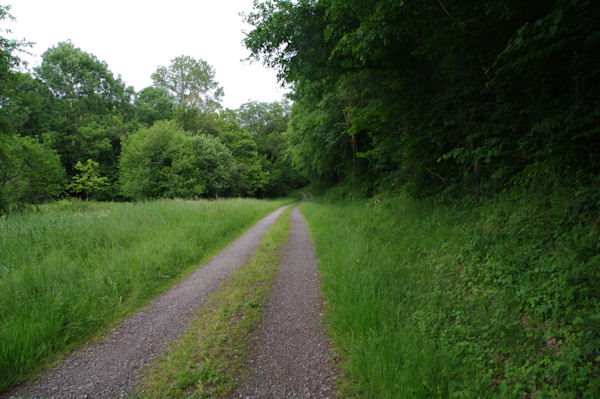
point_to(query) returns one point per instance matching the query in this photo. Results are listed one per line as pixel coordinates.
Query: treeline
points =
(71, 128)
(478, 122)
(439, 96)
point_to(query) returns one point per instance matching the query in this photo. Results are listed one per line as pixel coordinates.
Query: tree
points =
(93, 109)
(207, 166)
(266, 122)
(87, 180)
(84, 83)
(191, 82)
(9, 61)
(29, 108)
(418, 94)
(154, 104)
(250, 178)
(30, 172)
(163, 161)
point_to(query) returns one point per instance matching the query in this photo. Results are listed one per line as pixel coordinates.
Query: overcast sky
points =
(134, 37)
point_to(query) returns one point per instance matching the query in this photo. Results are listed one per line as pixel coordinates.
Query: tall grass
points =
(429, 300)
(72, 268)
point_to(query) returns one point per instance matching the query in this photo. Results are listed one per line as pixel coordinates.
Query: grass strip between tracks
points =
(207, 360)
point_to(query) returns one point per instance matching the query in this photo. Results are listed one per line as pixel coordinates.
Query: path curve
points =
(110, 369)
(293, 356)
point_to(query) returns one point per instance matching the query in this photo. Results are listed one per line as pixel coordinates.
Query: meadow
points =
(435, 300)
(71, 268)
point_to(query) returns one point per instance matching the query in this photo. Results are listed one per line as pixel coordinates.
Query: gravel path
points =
(293, 358)
(109, 369)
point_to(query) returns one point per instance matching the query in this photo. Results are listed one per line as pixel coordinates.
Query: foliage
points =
(250, 177)
(267, 124)
(76, 106)
(153, 104)
(90, 109)
(87, 180)
(164, 162)
(436, 96)
(191, 82)
(72, 267)
(9, 60)
(81, 81)
(432, 300)
(30, 172)
(28, 107)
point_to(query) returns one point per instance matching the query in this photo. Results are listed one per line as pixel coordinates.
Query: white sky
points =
(134, 37)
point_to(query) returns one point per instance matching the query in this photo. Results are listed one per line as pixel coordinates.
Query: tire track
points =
(293, 357)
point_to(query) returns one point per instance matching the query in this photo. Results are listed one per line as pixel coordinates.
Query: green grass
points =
(72, 268)
(206, 361)
(429, 300)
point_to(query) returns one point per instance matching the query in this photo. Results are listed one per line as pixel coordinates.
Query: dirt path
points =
(293, 354)
(110, 369)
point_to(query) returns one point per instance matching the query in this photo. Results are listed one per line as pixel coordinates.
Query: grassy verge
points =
(73, 268)
(206, 361)
(430, 300)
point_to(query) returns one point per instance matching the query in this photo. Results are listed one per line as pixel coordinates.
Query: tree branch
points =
(436, 175)
(446, 11)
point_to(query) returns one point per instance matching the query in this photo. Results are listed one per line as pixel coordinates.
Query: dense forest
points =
(474, 129)
(439, 96)
(71, 128)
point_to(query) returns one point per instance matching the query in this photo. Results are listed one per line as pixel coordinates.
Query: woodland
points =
(70, 128)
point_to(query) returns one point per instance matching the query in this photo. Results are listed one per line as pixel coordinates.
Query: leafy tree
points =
(251, 177)
(197, 121)
(29, 108)
(266, 122)
(87, 180)
(191, 82)
(419, 93)
(154, 104)
(89, 100)
(207, 168)
(30, 172)
(9, 61)
(165, 161)
(84, 83)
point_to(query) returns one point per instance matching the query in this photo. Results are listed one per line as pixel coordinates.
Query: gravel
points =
(293, 356)
(110, 368)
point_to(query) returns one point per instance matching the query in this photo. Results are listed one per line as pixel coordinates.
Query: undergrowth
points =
(499, 299)
(206, 362)
(71, 268)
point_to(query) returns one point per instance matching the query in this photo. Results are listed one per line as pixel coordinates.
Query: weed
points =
(429, 300)
(72, 268)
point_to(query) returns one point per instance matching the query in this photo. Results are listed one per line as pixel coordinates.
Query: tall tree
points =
(84, 83)
(95, 108)
(267, 123)
(30, 171)
(154, 104)
(419, 93)
(191, 82)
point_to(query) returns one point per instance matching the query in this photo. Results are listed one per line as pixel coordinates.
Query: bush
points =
(163, 161)
(30, 172)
